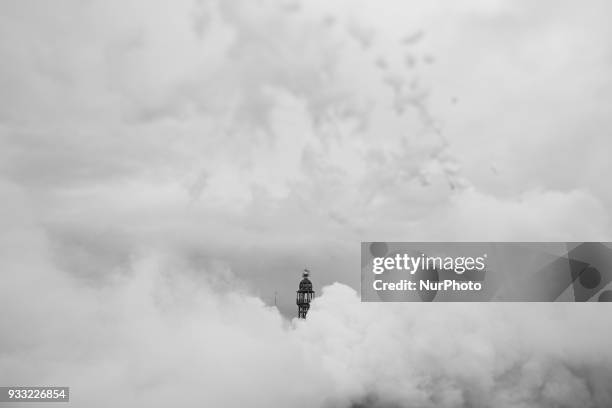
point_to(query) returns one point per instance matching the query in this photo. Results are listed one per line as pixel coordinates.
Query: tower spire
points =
(304, 295)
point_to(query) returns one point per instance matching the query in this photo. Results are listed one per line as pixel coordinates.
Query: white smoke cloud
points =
(437, 355)
(168, 334)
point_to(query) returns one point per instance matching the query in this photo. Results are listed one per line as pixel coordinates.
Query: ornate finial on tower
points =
(304, 295)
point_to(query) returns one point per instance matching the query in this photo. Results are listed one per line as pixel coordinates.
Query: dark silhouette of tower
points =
(304, 295)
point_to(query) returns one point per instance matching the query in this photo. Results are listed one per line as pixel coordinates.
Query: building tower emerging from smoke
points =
(304, 295)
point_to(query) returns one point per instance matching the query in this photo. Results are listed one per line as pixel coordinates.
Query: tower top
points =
(305, 294)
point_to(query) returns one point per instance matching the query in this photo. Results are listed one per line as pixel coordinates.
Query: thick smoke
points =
(166, 334)
(467, 355)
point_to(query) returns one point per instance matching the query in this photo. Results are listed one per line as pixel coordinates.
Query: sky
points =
(223, 146)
